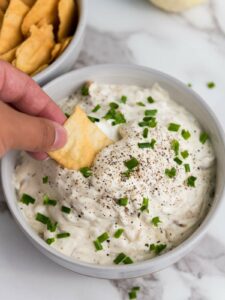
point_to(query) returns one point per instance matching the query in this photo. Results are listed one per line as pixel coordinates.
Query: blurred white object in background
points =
(176, 5)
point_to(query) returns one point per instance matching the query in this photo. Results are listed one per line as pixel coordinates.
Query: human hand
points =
(29, 119)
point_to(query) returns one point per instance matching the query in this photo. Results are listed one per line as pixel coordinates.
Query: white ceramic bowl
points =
(66, 60)
(125, 74)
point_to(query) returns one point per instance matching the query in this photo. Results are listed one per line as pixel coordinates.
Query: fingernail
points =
(39, 155)
(60, 137)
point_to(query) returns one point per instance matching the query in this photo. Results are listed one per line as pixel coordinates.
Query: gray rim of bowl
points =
(178, 251)
(75, 41)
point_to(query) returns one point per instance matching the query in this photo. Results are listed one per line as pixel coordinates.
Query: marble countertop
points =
(189, 46)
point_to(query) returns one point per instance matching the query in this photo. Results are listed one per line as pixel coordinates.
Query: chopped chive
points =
(175, 146)
(93, 119)
(203, 137)
(150, 99)
(173, 127)
(27, 199)
(145, 203)
(122, 201)
(189, 85)
(132, 294)
(131, 163)
(148, 122)
(152, 123)
(50, 241)
(42, 218)
(152, 143)
(145, 133)
(67, 115)
(178, 161)
(156, 221)
(48, 201)
(157, 248)
(45, 179)
(98, 245)
(140, 103)
(113, 105)
(120, 257)
(211, 85)
(136, 288)
(171, 172)
(85, 90)
(184, 154)
(63, 235)
(150, 112)
(191, 181)
(118, 233)
(86, 172)
(103, 237)
(187, 168)
(127, 260)
(144, 145)
(96, 108)
(185, 134)
(123, 99)
(65, 209)
(52, 227)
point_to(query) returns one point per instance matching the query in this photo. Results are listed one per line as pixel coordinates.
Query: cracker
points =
(67, 11)
(4, 4)
(41, 68)
(10, 35)
(85, 140)
(9, 56)
(1, 17)
(42, 12)
(35, 51)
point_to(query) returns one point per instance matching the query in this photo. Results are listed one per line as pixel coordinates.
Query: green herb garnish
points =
(189, 85)
(175, 146)
(123, 99)
(131, 163)
(191, 181)
(145, 133)
(178, 161)
(118, 233)
(122, 201)
(140, 103)
(144, 145)
(152, 143)
(27, 199)
(96, 108)
(173, 127)
(42, 218)
(150, 99)
(98, 245)
(93, 119)
(187, 168)
(185, 134)
(48, 201)
(145, 203)
(45, 179)
(171, 172)
(119, 258)
(113, 105)
(211, 85)
(86, 172)
(50, 241)
(85, 90)
(150, 112)
(184, 154)
(66, 209)
(52, 227)
(63, 235)
(157, 248)
(156, 221)
(127, 260)
(115, 115)
(203, 137)
(103, 237)
(67, 115)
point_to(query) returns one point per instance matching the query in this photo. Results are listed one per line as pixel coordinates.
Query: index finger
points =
(21, 91)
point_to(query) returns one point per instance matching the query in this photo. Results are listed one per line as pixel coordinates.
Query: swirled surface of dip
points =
(144, 194)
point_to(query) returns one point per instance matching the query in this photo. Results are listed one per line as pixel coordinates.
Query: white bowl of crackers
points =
(41, 38)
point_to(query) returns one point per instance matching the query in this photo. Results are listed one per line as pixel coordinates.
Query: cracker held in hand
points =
(85, 140)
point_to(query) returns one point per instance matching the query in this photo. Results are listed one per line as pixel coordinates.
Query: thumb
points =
(24, 132)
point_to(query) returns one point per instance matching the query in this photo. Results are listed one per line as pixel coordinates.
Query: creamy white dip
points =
(175, 205)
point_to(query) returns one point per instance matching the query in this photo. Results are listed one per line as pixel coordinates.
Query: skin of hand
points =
(29, 119)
